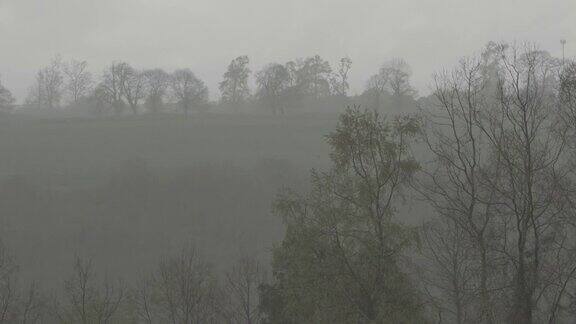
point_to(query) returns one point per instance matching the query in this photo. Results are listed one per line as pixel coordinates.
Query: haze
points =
(287, 162)
(205, 35)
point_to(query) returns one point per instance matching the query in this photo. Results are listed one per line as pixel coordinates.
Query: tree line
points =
(121, 88)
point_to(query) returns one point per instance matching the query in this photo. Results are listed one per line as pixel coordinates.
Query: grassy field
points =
(57, 145)
(125, 191)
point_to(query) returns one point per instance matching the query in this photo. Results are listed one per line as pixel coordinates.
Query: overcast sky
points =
(205, 35)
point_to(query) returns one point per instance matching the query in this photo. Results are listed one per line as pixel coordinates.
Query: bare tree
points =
(501, 176)
(377, 84)
(79, 291)
(188, 90)
(185, 292)
(455, 183)
(18, 304)
(339, 81)
(567, 100)
(242, 283)
(47, 89)
(87, 301)
(8, 289)
(109, 299)
(113, 83)
(449, 271)
(524, 133)
(32, 305)
(147, 309)
(78, 80)
(393, 77)
(134, 88)
(399, 73)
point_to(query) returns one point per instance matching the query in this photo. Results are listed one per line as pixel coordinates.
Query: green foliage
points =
(341, 256)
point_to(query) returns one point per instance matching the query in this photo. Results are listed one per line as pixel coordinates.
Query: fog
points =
(206, 35)
(287, 161)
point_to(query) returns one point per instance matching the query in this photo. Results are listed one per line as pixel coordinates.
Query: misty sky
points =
(206, 35)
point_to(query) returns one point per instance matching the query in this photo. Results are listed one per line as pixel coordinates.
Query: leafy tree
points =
(234, 87)
(188, 90)
(273, 81)
(312, 76)
(340, 259)
(99, 101)
(157, 81)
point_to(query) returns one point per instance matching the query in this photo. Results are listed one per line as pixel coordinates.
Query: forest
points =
(132, 195)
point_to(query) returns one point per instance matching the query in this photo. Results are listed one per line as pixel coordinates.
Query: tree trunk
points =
(522, 311)
(486, 307)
